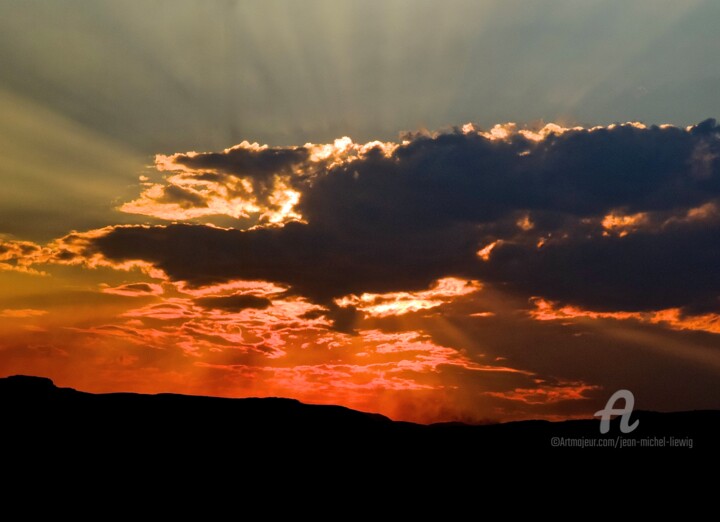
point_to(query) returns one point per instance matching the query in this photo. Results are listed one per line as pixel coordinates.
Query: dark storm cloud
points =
(242, 161)
(468, 178)
(234, 303)
(644, 271)
(397, 221)
(314, 263)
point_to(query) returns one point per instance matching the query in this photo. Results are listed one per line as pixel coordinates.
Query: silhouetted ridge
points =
(34, 408)
(26, 386)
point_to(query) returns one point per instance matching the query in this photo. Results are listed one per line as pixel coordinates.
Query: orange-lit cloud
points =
(485, 252)
(506, 131)
(398, 303)
(707, 212)
(245, 181)
(260, 288)
(248, 180)
(672, 317)
(622, 225)
(547, 394)
(18, 256)
(73, 249)
(549, 311)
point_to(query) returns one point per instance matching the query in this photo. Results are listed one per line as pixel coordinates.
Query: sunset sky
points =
(463, 210)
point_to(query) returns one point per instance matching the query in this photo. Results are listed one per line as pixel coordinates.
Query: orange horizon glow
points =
(158, 338)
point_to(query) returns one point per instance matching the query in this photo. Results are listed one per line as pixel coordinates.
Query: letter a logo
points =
(609, 411)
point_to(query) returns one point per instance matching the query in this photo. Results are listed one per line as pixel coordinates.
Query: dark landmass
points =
(40, 418)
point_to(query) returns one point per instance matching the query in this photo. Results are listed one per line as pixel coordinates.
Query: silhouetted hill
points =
(49, 419)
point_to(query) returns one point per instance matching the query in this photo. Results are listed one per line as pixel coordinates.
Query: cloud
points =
(73, 249)
(18, 256)
(544, 394)
(247, 181)
(244, 181)
(234, 303)
(399, 303)
(22, 313)
(609, 218)
(135, 290)
(671, 317)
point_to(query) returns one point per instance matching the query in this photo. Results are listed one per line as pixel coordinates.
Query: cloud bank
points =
(621, 217)
(520, 272)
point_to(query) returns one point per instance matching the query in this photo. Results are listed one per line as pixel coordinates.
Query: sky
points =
(463, 210)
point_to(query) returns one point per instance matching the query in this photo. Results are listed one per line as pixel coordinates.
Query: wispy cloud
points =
(21, 313)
